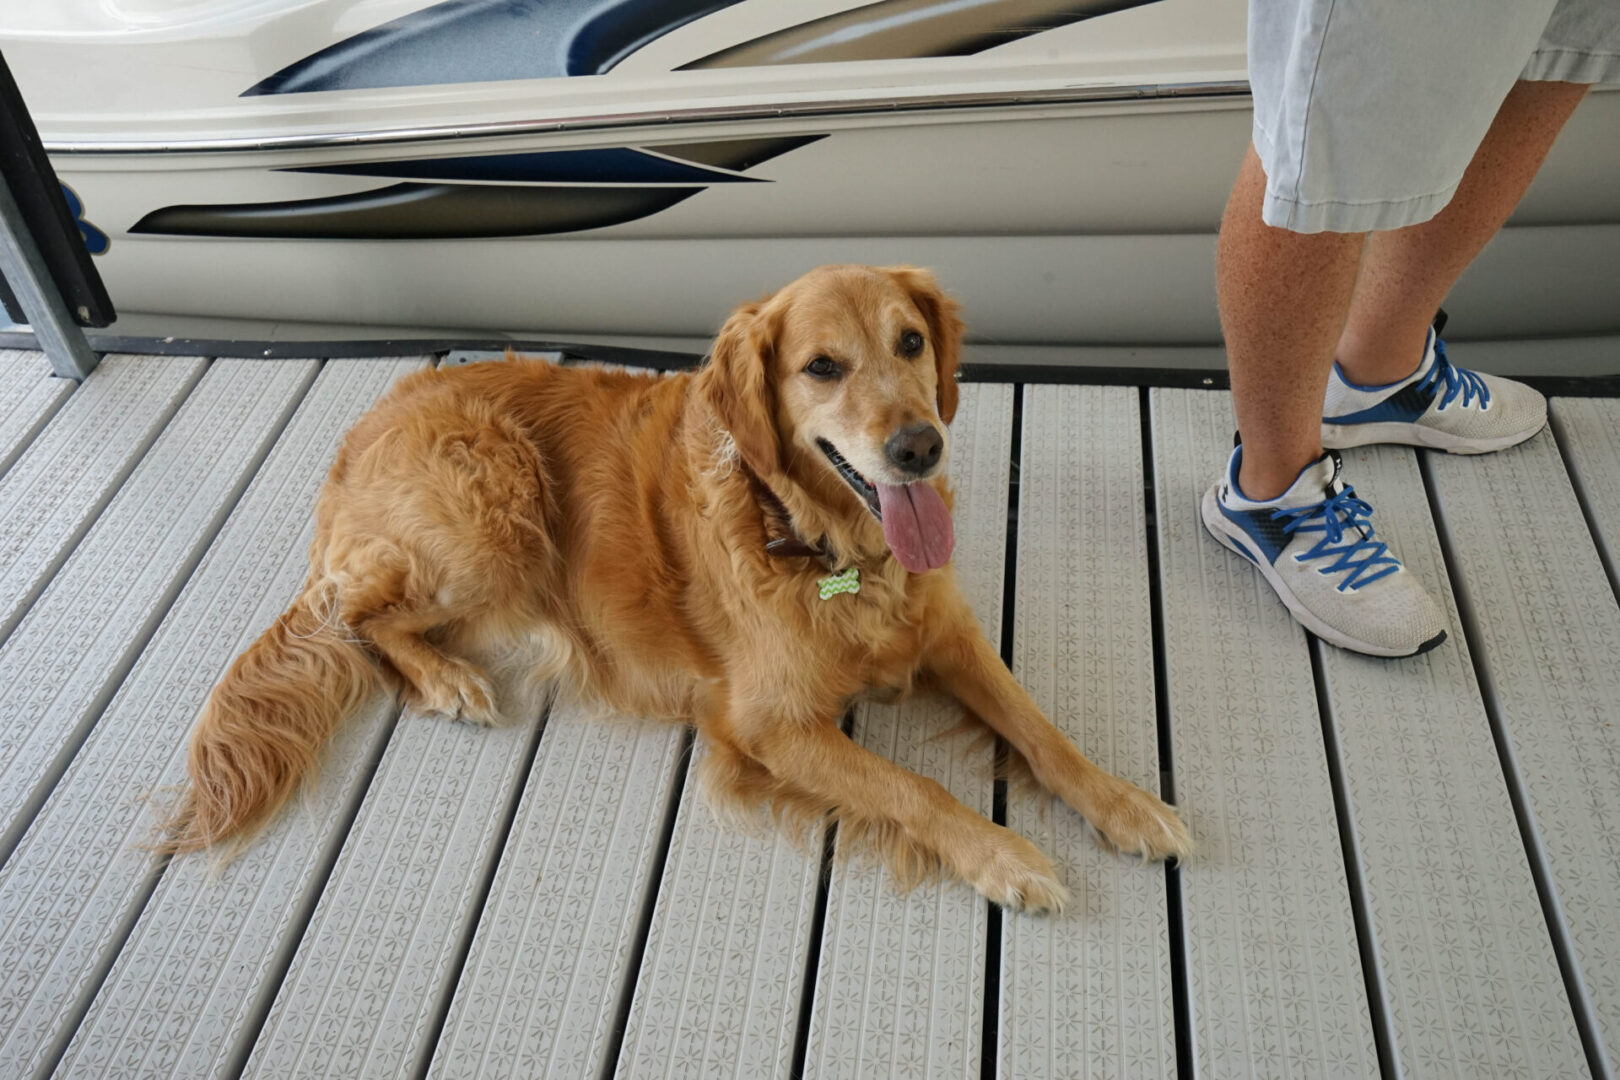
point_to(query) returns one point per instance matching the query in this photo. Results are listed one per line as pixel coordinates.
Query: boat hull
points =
(1066, 186)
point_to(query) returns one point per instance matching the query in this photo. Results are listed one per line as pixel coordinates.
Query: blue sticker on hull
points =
(95, 241)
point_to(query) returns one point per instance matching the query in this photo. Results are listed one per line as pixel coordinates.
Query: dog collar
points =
(791, 547)
(788, 545)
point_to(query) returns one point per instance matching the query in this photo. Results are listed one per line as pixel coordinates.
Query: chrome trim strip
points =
(695, 115)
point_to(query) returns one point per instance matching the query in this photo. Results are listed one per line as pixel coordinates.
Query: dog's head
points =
(836, 391)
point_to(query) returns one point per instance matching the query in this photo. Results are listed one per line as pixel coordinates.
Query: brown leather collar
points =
(784, 541)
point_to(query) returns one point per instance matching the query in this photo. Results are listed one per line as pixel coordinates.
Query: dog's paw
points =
(461, 692)
(1133, 821)
(1018, 877)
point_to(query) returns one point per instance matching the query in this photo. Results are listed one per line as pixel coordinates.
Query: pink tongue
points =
(917, 525)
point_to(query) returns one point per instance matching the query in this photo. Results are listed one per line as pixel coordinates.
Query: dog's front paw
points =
(1131, 820)
(461, 692)
(1018, 877)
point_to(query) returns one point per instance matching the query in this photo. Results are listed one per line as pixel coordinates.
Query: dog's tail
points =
(264, 724)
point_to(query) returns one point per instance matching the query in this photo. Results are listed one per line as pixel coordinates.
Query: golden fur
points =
(613, 527)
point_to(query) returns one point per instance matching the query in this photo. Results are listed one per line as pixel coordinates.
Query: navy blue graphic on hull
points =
(503, 195)
(421, 212)
(488, 41)
(467, 41)
(612, 165)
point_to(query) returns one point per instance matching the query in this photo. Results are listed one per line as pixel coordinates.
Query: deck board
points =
(1088, 994)
(67, 659)
(1462, 947)
(554, 943)
(199, 969)
(380, 955)
(1274, 972)
(30, 394)
(900, 985)
(69, 653)
(57, 487)
(717, 993)
(1589, 431)
(1548, 632)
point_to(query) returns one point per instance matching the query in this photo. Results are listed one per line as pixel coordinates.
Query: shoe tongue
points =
(1319, 478)
(916, 525)
(1433, 350)
(1321, 481)
(1334, 484)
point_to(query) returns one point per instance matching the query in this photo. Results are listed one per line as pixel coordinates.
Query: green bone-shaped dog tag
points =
(833, 584)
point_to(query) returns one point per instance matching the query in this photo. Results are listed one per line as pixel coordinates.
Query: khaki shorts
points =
(1366, 112)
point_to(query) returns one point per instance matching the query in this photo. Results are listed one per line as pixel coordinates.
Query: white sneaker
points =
(1315, 546)
(1439, 405)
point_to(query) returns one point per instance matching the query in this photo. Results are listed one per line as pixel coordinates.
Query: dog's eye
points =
(823, 368)
(911, 343)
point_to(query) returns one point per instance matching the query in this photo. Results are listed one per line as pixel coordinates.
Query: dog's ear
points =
(944, 330)
(741, 388)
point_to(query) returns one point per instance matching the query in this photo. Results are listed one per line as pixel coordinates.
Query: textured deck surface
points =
(1274, 977)
(1088, 994)
(899, 988)
(29, 397)
(1405, 868)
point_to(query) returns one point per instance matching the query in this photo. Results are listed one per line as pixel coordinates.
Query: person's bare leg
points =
(1406, 273)
(1283, 299)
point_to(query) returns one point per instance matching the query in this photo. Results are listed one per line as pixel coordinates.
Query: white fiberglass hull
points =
(1066, 185)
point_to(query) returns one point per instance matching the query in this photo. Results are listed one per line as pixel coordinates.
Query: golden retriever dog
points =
(660, 546)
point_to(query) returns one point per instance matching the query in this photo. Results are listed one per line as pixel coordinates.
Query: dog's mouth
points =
(861, 485)
(916, 522)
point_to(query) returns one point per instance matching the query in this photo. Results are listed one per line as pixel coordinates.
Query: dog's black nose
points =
(915, 449)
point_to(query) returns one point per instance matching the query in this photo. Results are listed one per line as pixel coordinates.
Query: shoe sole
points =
(1349, 436)
(1232, 537)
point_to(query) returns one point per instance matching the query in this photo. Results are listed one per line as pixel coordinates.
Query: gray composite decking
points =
(29, 397)
(1405, 868)
(1274, 978)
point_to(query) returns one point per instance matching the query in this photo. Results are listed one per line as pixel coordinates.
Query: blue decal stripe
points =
(612, 165)
(738, 155)
(469, 41)
(408, 211)
(422, 206)
(620, 29)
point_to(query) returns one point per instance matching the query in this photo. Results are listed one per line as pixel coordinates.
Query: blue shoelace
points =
(1365, 558)
(1458, 380)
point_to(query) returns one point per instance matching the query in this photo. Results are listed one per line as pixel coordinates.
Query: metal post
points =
(25, 271)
